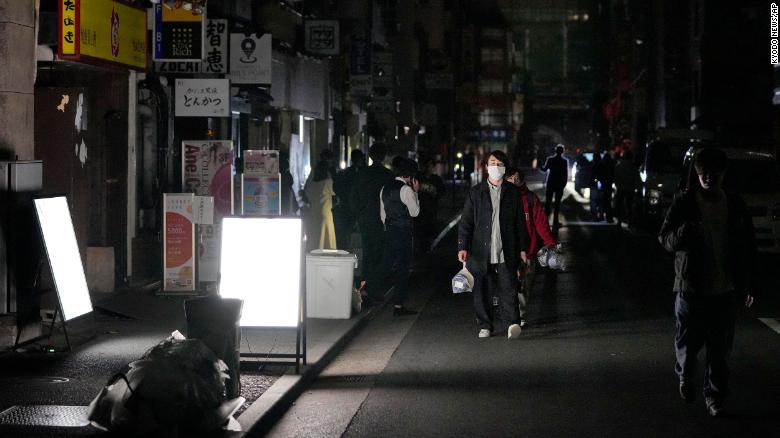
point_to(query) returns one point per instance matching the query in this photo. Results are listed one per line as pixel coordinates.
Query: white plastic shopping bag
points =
(463, 281)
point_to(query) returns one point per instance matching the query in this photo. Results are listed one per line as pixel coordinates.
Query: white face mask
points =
(496, 172)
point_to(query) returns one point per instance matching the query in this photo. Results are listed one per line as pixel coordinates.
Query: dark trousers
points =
(498, 284)
(606, 202)
(551, 192)
(344, 223)
(624, 205)
(705, 322)
(373, 251)
(398, 252)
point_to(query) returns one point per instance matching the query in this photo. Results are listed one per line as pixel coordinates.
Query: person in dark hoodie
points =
(712, 237)
(364, 199)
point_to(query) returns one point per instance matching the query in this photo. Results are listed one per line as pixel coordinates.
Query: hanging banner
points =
(360, 83)
(260, 195)
(178, 33)
(250, 59)
(215, 60)
(100, 31)
(322, 37)
(202, 98)
(261, 163)
(178, 243)
(207, 169)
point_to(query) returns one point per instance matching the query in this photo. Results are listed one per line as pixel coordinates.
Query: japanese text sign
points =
(202, 98)
(322, 37)
(250, 59)
(215, 58)
(178, 33)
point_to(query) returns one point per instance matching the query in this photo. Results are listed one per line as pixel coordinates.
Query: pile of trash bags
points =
(176, 389)
(553, 257)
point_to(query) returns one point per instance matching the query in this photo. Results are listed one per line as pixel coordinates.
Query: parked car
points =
(755, 176)
(662, 169)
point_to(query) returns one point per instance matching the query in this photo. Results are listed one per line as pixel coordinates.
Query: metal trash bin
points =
(215, 321)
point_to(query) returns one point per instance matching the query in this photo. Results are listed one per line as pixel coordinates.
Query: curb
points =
(263, 414)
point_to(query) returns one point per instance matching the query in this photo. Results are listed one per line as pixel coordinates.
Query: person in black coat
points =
(364, 199)
(557, 169)
(491, 237)
(712, 237)
(343, 214)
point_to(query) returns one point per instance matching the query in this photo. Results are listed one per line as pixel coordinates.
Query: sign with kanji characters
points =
(202, 98)
(250, 59)
(68, 27)
(261, 163)
(178, 33)
(322, 37)
(100, 31)
(178, 243)
(360, 83)
(215, 59)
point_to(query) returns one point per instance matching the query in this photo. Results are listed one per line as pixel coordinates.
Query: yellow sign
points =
(178, 13)
(113, 32)
(68, 26)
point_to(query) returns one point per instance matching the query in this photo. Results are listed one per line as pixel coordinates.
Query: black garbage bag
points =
(177, 389)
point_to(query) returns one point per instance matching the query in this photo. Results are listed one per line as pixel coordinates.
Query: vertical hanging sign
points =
(178, 33)
(179, 243)
(68, 27)
(215, 58)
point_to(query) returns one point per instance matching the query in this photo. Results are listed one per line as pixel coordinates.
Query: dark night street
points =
(596, 358)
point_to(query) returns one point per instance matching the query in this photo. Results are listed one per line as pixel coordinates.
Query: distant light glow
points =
(300, 126)
(343, 164)
(267, 280)
(64, 258)
(459, 155)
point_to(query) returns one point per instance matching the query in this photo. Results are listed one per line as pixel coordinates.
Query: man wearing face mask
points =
(491, 237)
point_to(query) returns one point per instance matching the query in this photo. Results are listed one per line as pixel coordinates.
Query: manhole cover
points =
(48, 415)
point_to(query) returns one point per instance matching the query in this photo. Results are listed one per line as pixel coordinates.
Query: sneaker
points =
(687, 391)
(522, 323)
(714, 406)
(484, 333)
(402, 311)
(514, 331)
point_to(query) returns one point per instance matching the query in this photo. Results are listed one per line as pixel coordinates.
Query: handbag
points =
(463, 281)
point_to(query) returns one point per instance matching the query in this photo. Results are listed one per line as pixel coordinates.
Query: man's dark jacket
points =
(476, 224)
(681, 233)
(365, 196)
(558, 169)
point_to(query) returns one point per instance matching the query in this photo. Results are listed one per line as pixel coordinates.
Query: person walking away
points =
(605, 174)
(537, 227)
(626, 183)
(431, 189)
(712, 237)
(398, 204)
(557, 174)
(364, 198)
(492, 236)
(289, 204)
(319, 192)
(343, 214)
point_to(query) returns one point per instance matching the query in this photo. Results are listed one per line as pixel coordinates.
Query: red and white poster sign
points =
(178, 243)
(207, 169)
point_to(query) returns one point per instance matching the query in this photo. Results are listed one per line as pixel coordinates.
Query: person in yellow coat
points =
(319, 192)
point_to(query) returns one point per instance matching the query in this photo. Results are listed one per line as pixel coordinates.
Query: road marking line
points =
(771, 323)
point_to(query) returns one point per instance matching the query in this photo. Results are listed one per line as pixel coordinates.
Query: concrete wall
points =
(17, 78)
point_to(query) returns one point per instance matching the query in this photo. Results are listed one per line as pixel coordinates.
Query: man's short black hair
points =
(512, 170)
(356, 156)
(405, 167)
(377, 152)
(500, 156)
(710, 160)
(559, 149)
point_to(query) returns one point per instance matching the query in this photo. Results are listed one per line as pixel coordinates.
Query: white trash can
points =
(329, 283)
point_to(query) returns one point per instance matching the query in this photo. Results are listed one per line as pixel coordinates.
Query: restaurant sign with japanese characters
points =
(322, 36)
(178, 33)
(215, 59)
(202, 98)
(102, 31)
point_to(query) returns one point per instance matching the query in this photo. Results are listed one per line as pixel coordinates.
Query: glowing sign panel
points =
(261, 264)
(64, 259)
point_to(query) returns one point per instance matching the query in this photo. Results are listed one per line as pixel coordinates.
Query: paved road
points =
(595, 361)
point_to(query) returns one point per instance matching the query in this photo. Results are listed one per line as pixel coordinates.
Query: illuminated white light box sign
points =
(64, 259)
(261, 264)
